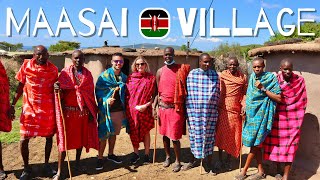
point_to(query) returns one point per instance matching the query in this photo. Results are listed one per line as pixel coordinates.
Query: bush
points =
(12, 80)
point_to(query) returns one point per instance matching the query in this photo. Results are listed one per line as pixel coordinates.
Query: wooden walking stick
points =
(243, 119)
(155, 142)
(65, 135)
(201, 166)
(156, 132)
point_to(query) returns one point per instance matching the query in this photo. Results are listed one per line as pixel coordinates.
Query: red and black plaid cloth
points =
(140, 88)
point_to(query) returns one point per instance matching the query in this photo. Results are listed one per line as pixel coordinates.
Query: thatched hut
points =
(306, 60)
(98, 59)
(15, 59)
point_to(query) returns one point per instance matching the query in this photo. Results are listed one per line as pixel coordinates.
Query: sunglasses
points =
(140, 64)
(118, 61)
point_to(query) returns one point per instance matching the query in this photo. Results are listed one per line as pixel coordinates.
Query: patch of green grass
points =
(14, 135)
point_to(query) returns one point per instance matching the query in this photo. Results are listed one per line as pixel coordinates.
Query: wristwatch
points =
(263, 89)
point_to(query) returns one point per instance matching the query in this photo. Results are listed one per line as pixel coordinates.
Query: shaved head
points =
(168, 49)
(258, 59)
(235, 59)
(40, 48)
(286, 61)
(41, 55)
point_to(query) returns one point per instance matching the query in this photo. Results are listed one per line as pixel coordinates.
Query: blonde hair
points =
(133, 66)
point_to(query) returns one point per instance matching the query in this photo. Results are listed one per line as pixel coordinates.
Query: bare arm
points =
(18, 94)
(271, 95)
(274, 97)
(16, 97)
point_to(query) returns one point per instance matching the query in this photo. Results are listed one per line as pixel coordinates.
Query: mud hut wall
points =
(94, 63)
(58, 61)
(308, 65)
(155, 62)
(97, 63)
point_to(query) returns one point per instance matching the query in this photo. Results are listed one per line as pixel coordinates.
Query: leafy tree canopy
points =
(64, 46)
(10, 47)
(183, 48)
(233, 50)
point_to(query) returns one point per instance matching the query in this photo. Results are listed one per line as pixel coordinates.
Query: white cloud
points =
(169, 39)
(215, 40)
(269, 6)
(311, 16)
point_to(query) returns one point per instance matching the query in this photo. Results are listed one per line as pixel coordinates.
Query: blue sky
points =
(248, 11)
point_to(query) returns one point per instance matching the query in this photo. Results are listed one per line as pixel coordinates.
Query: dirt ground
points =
(13, 163)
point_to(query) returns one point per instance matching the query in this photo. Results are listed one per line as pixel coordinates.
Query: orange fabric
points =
(5, 122)
(37, 117)
(232, 92)
(180, 92)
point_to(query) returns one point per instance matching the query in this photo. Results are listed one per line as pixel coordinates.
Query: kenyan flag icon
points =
(154, 23)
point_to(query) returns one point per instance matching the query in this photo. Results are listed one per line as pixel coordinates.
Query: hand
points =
(11, 113)
(110, 101)
(258, 84)
(141, 108)
(243, 111)
(56, 86)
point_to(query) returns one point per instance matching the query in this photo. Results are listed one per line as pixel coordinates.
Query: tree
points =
(305, 28)
(10, 47)
(233, 50)
(183, 48)
(64, 46)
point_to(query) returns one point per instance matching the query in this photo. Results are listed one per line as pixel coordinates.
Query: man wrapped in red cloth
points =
(171, 81)
(5, 115)
(36, 78)
(79, 110)
(282, 143)
(139, 96)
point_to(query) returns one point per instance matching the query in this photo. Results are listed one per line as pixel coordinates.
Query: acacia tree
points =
(10, 47)
(64, 46)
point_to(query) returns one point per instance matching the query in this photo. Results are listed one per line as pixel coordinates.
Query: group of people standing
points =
(223, 109)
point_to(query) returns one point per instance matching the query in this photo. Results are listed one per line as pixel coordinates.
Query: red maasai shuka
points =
(140, 89)
(85, 98)
(282, 143)
(232, 91)
(37, 117)
(172, 122)
(5, 122)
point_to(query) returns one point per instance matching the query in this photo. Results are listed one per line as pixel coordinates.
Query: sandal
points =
(3, 175)
(278, 177)
(213, 173)
(166, 163)
(258, 176)
(56, 177)
(176, 167)
(188, 166)
(240, 177)
(26, 174)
